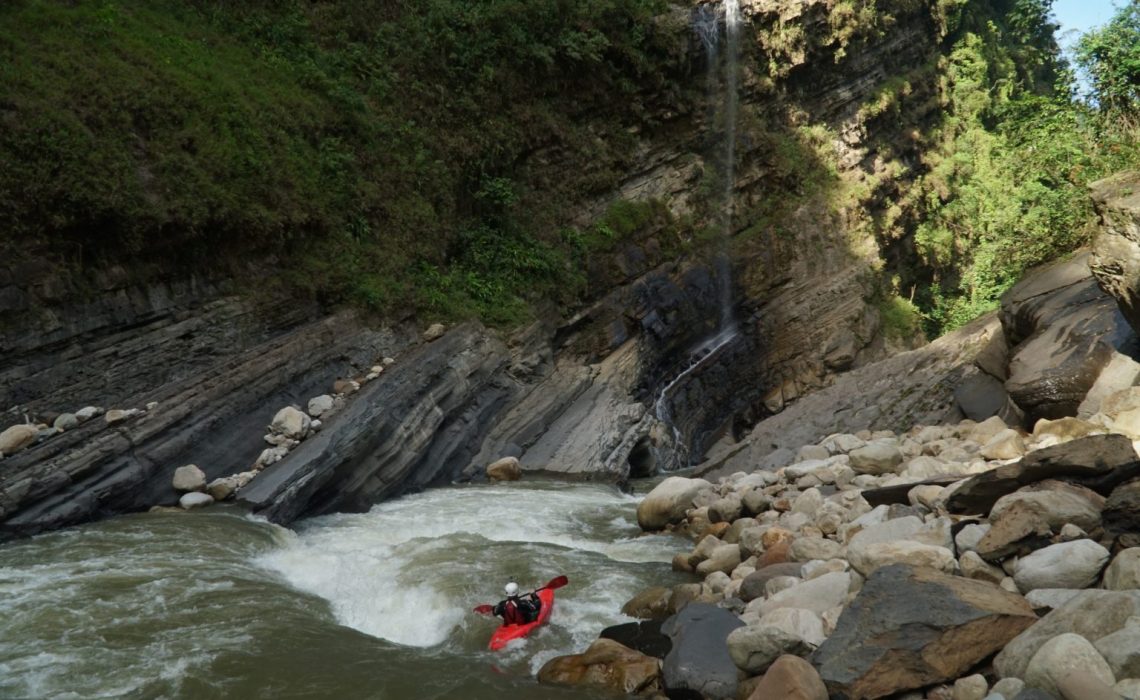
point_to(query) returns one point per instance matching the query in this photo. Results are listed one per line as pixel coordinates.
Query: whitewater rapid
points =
(377, 604)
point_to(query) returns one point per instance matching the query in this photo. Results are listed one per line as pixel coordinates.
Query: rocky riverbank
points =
(879, 564)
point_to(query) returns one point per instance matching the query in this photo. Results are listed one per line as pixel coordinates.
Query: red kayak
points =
(506, 633)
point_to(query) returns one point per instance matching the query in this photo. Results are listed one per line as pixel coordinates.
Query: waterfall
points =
(707, 23)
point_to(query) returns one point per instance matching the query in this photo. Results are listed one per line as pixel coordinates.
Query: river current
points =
(217, 604)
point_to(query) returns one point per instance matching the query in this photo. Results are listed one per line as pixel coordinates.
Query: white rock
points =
(189, 478)
(842, 443)
(1121, 649)
(387, 361)
(986, 430)
(1051, 598)
(818, 595)
(223, 488)
(291, 422)
(1066, 565)
(116, 415)
(315, 425)
(808, 548)
(1128, 688)
(1061, 655)
(1008, 444)
(66, 421)
(805, 624)
(808, 503)
(87, 413)
(778, 584)
(195, 499)
(505, 469)
(970, 688)
(434, 332)
(1056, 503)
(969, 536)
(881, 554)
(271, 455)
(320, 405)
(724, 558)
(753, 648)
(152, 405)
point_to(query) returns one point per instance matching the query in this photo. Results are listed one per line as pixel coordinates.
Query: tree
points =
(1111, 56)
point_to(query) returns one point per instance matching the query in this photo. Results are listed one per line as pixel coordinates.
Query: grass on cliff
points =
(374, 149)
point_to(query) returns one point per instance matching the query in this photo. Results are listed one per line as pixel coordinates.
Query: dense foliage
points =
(1008, 167)
(372, 146)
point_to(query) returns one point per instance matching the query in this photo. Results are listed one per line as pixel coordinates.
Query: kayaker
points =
(516, 609)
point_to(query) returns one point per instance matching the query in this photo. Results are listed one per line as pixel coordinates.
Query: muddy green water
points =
(215, 604)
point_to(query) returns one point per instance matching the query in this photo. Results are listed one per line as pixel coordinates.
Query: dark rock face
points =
(981, 396)
(699, 661)
(1116, 250)
(911, 627)
(417, 425)
(645, 637)
(214, 418)
(1097, 462)
(1063, 330)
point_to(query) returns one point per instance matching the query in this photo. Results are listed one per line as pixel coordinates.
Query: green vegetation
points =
(374, 148)
(1007, 169)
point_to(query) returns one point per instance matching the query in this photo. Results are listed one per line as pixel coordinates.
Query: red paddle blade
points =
(557, 582)
(485, 609)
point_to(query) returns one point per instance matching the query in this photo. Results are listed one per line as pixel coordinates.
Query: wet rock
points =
(189, 478)
(505, 469)
(195, 499)
(790, 678)
(434, 332)
(649, 604)
(1066, 565)
(645, 637)
(668, 501)
(1124, 572)
(1062, 655)
(607, 665)
(17, 437)
(754, 648)
(1098, 462)
(910, 627)
(290, 422)
(699, 660)
(1091, 613)
(1064, 330)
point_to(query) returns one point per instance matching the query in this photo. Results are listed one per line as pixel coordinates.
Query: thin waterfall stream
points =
(725, 94)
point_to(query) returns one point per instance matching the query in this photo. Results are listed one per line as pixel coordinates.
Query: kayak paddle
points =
(556, 582)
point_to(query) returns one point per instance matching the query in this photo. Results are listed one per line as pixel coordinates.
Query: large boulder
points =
(1063, 330)
(876, 457)
(820, 594)
(910, 627)
(505, 469)
(606, 665)
(1098, 462)
(650, 604)
(1092, 614)
(1124, 572)
(1115, 260)
(1057, 503)
(699, 661)
(189, 478)
(667, 502)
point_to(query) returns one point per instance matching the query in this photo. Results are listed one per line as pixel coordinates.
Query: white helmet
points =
(512, 588)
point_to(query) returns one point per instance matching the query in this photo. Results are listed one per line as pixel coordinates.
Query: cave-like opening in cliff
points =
(641, 459)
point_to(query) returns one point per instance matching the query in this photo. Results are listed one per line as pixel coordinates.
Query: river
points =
(215, 603)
